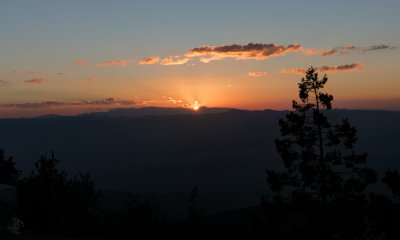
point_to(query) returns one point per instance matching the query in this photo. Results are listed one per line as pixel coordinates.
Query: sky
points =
(71, 57)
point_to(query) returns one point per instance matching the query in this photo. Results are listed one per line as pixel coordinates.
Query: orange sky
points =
(107, 56)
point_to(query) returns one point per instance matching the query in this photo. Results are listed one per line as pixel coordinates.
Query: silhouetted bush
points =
(51, 202)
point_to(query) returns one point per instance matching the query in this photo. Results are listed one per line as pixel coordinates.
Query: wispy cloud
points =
(83, 63)
(345, 49)
(347, 67)
(110, 63)
(34, 81)
(300, 71)
(174, 60)
(89, 80)
(119, 62)
(149, 60)
(257, 74)
(328, 52)
(339, 68)
(49, 104)
(375, 47)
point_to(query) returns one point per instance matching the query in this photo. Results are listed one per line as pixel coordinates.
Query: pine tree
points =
(320, 160)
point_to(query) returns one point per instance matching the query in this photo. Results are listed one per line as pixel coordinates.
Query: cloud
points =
(300, 71)
(60, 73)
(102, 64)
(89, 80)
(149, 60)
(256, 51)
(173, 100)
(49, 104)
(344, 49)
(83, 63)
(347, 67)
(32, 72)
(174, 60)
(310, 51)
(339, 68)
(257, 74)
(2, 82)
(375, 47)
(34, 81)
(110, 63)
(328, 52)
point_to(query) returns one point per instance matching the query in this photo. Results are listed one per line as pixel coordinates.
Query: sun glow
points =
(196, 105)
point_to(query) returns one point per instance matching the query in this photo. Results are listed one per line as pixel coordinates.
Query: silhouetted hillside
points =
(153, 111)
(219, 150)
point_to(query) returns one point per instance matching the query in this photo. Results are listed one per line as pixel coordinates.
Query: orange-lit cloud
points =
(174, 101)
(102, 64)
(32, 72)
(34, 81)
(174, 60)
(328, 52)
(50, 104)
(257, 74)
(149, 60)
(339, 68)
(89, 80)
(83, 63)
(310, 51)
(300, 71)
(110, 63)
(256, 51)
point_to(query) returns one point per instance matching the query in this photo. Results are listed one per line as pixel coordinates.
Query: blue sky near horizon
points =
(46, 38)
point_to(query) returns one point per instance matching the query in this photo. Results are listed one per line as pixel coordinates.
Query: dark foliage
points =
(9, 174)
(51, 202)
(319, 157)
(322, 192)
(392, 180)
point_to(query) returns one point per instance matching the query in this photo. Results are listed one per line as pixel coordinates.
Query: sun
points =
(196, 105)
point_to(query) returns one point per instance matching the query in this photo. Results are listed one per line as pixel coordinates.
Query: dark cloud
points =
(47, 104)
(346, 67)
(324, 68)
(375, 47)
(256, 51)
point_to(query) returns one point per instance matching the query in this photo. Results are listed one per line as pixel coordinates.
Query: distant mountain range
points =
(169, 150)
(147, 111)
